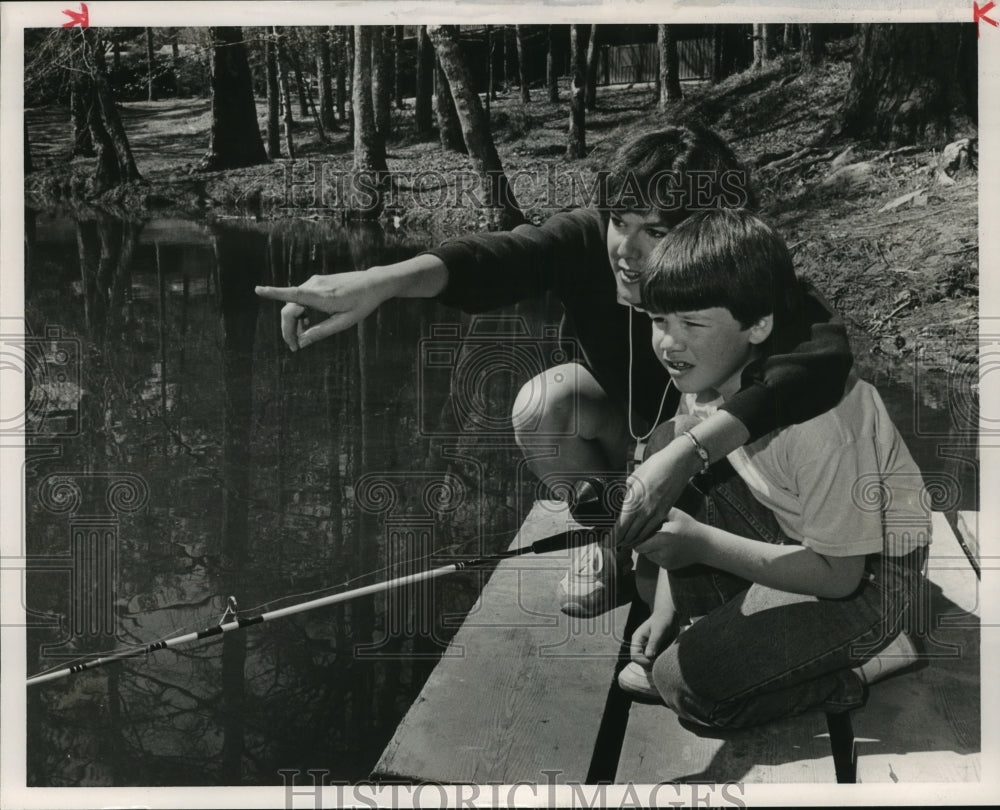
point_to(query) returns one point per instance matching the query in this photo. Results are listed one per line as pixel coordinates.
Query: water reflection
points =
(257, 474)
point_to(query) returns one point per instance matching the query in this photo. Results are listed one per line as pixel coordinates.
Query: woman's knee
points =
(545, 404)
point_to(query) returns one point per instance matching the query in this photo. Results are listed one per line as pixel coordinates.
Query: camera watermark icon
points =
(46, 366)
(482, 366)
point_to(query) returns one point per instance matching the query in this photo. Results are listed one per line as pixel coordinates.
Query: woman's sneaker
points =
(634, 679)
(598, 580)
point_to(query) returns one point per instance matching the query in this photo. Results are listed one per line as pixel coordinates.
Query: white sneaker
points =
(596, 581)
(900, 653)
(635, 680)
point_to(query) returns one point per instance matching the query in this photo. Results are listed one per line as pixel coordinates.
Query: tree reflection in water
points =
(253, 458)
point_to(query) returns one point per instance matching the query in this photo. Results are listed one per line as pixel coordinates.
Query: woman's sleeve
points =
(803, 376)
(486, 271)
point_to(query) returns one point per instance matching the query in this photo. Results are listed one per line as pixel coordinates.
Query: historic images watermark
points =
(325, 188)
(312, 788)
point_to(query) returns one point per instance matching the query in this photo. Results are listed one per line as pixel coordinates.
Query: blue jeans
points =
(760, 654)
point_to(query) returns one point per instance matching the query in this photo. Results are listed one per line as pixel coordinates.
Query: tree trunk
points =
(397, 65)
(551, 73)
(300, 85)
(286, 96)
(109, 121)
(381, 82)
(503, 209)
(718, 53)
(591, 99)
(324, 78)
(522, 68)
(369, 150)
(340, 53)
(490, 93)
(812, 45)
(758, 46)
(149, 64)
(509, 56)
(670, 84)
(235, 136)
(423, 110)
(770, 33)
(577, 144)
(790, 37)
(81, 96)
(907, 81)
(449, 127)
(273, 96)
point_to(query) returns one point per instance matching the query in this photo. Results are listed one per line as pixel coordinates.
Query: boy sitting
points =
(802, 564)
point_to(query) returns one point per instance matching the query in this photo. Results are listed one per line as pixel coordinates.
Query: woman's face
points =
(631, 238)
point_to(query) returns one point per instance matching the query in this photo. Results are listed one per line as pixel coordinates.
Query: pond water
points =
(182, 455)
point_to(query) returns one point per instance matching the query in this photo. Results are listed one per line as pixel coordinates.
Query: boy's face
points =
(631, 237)
(706, 349)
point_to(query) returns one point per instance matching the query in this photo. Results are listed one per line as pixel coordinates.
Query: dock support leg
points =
(845, 760)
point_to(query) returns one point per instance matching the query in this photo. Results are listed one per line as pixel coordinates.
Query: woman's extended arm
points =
(349, 297)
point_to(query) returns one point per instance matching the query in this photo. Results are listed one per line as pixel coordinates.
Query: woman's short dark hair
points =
(675, 171)
(722, 258)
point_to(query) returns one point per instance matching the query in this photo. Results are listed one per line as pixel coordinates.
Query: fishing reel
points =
(597, 500)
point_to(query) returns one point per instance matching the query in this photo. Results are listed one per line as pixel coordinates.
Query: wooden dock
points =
(527, 694)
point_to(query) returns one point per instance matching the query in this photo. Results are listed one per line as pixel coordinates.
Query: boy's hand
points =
(653, 489)
(346, 297)
(677, 543)
(651, 637)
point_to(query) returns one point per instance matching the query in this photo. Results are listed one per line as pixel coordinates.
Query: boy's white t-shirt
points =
(842, 483)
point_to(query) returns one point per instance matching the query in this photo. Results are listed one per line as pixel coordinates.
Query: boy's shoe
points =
(598, 580)
(635, 680)
(900, 653)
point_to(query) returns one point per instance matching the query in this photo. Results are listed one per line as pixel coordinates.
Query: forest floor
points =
(887, 235)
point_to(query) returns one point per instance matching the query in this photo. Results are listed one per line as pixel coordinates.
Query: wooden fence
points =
(628, 64)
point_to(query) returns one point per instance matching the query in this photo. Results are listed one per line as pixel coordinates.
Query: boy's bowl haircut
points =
(721, 258)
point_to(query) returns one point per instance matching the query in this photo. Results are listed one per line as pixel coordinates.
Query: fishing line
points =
(230, 621)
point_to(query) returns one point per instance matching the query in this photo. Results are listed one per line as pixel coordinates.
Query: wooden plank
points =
(522, 687)
(924, 726)
(657, 748)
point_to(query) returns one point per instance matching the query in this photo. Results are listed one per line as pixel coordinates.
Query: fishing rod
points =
(570, 538)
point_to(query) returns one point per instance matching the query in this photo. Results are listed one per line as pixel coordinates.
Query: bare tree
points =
(324, 78)
(370, 168)
(502, 206)
(397, 65)
(551, 75)
(273, 95)
(522, 69)
(669, 76)
(449, 127)
(80, 98)
(812, 45)
(149, 64)
(759, 52)
(591, 100)
(423, 110)
(281, 58)
(115, 163)
(381, 81)
(577, 145)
